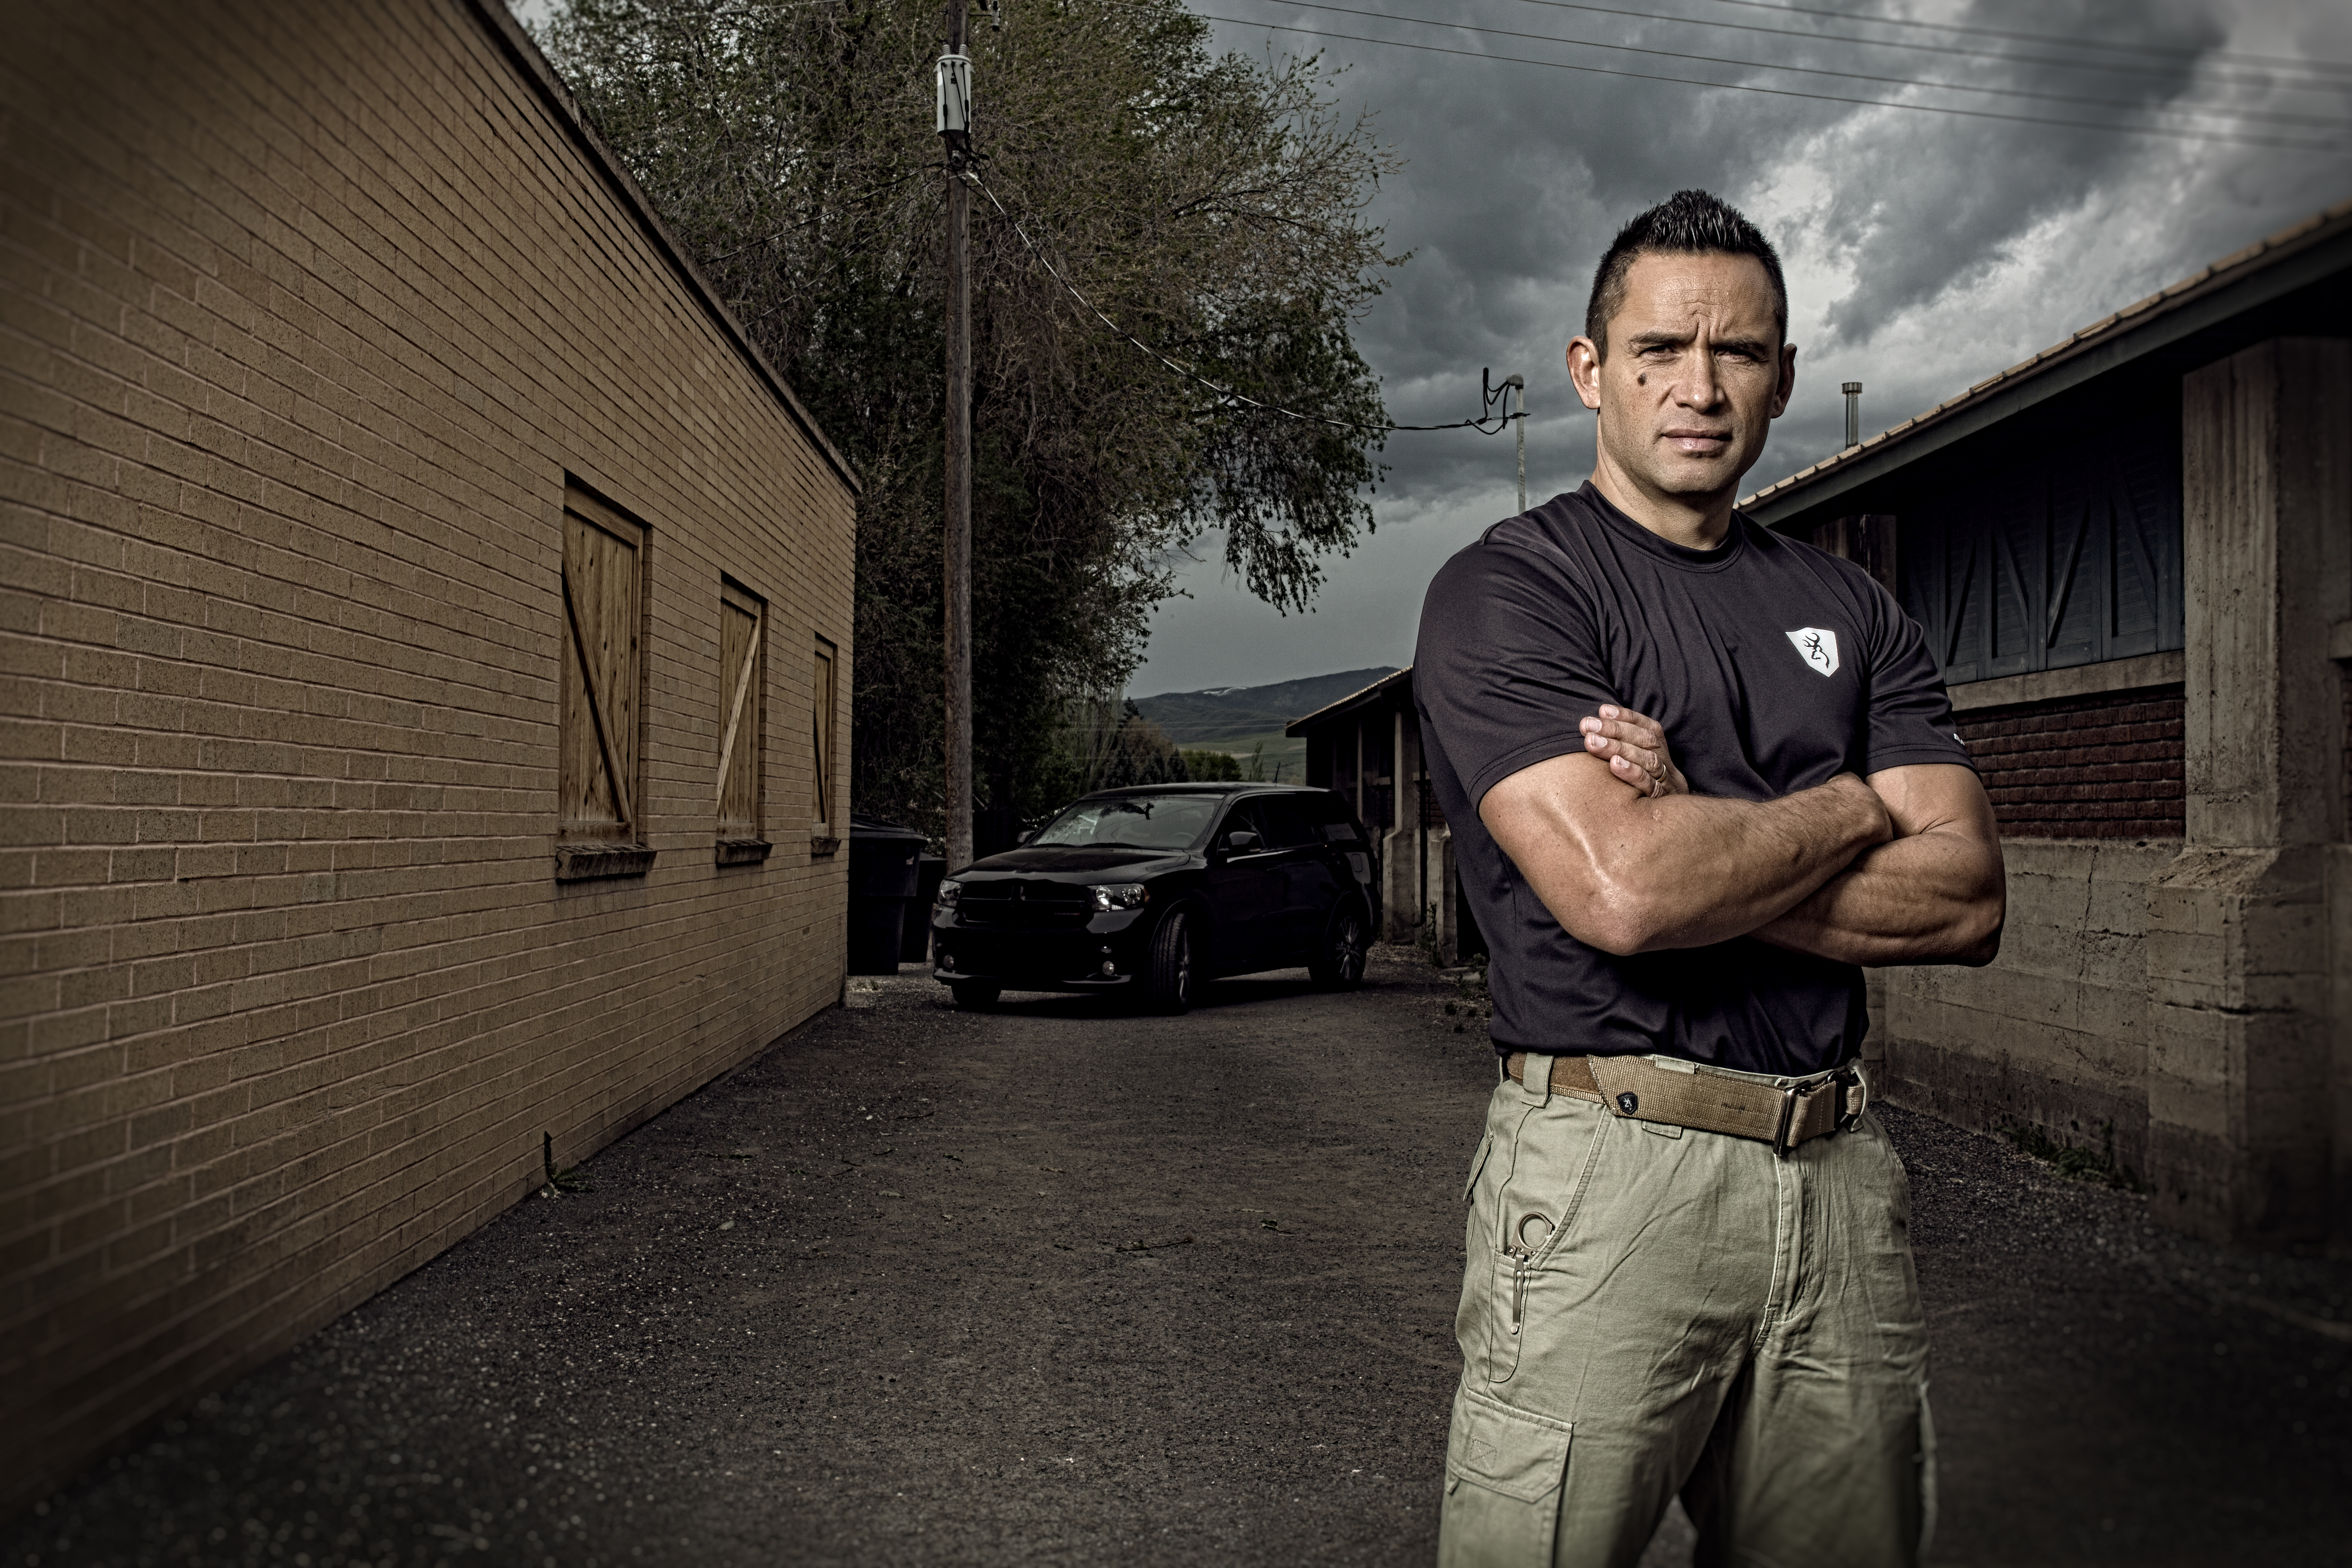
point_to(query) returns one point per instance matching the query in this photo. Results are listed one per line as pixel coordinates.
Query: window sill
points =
(744, 851)
(587, 862)
(2074, 680)
(820, 844)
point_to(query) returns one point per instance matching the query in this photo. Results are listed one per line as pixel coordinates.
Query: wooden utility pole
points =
(1518, 383)
(954, 125)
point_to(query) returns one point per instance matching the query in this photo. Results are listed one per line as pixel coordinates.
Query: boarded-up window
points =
(603, 579)
(821, 724)
(742, 665)
(2043, 562)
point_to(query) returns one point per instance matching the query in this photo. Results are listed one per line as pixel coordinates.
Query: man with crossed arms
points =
(1697, 773)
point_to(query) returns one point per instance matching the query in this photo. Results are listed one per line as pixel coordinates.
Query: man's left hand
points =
(1635, 746)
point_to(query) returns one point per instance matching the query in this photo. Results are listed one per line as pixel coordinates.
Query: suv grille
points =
(1026, 902)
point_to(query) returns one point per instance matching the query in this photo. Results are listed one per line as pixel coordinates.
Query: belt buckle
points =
(1788, 1116)
(1836, 1082)
(1847, 1079)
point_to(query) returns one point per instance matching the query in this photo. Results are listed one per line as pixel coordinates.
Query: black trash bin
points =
(916, 945)
(883, 858)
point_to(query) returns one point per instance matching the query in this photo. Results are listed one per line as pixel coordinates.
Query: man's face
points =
(1695, 374)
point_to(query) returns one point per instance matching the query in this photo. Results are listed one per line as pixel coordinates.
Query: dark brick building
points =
(2133, 556)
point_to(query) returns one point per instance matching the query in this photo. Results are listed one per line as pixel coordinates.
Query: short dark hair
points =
(1689, 223)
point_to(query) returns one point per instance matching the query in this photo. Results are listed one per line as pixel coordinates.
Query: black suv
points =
(1150, 890)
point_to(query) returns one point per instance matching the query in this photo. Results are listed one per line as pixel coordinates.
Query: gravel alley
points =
(1054, 1285)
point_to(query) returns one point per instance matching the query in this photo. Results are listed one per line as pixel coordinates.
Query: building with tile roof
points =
(2132, 554)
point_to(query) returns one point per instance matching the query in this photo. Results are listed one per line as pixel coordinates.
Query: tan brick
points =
(278, 574)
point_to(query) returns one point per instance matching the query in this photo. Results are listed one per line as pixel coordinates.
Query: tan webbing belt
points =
(1640, 1089)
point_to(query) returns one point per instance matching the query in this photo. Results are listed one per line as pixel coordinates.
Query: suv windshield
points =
(1137, 822)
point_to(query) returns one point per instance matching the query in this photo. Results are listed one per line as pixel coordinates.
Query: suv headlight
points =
(1122, 896)
(948, 893)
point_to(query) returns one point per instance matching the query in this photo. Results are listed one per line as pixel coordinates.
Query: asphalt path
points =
(1054, 1285)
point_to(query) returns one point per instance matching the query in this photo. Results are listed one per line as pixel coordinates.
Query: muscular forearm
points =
(1629, 873)
(1936, 894)
(1928, 899)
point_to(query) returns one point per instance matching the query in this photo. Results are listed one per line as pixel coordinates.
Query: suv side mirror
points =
(1025, 835)
(1240, 840)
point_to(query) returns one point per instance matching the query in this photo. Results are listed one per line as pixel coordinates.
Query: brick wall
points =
(307, 312)
(2108, 766)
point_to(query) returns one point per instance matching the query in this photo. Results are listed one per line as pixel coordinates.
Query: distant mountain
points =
(1222, 713)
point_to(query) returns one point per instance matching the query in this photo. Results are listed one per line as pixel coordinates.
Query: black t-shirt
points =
(1772, 667)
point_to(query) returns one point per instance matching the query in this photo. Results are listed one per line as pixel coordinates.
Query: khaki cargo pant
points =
(1689, 1314)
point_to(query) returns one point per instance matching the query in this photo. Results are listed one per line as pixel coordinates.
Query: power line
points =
(1501, 422)
(2043, 37)
(2177, 132)
(971, 175)
(2331, 122)
(2154, 71)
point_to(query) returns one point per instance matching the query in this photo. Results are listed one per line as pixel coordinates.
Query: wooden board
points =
(821, 724)
(603, 608)
(743, 638)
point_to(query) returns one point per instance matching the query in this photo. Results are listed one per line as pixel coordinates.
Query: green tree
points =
(1213, 768)
(1140, 754)
(1212, 204)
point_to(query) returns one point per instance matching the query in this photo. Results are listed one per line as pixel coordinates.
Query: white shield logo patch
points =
(1818, 647)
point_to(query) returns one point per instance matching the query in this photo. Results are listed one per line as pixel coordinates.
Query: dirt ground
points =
(1053, 1285)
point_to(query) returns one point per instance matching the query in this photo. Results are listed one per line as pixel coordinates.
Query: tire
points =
(1337, 965)
(1168, 978)
(976, 996)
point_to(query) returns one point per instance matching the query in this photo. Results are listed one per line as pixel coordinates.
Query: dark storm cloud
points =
(1969, 191)
(1924, 251)
(1516, 175)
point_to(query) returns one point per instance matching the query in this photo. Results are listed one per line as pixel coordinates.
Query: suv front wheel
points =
(1339, 963)
(1167, 979)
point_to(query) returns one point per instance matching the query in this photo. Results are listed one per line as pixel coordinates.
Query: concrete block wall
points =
(2054, 1034)
(2239, 992)
(1449, 939)
(2241, 975)
(1400, 889)
(2335, 1090)
(307, 314)
(2190, 991)
(1401, 893)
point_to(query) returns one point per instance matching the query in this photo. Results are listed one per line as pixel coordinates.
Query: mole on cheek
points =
(1642, 381)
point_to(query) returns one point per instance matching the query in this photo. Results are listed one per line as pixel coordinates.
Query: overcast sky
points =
(1924, 251)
